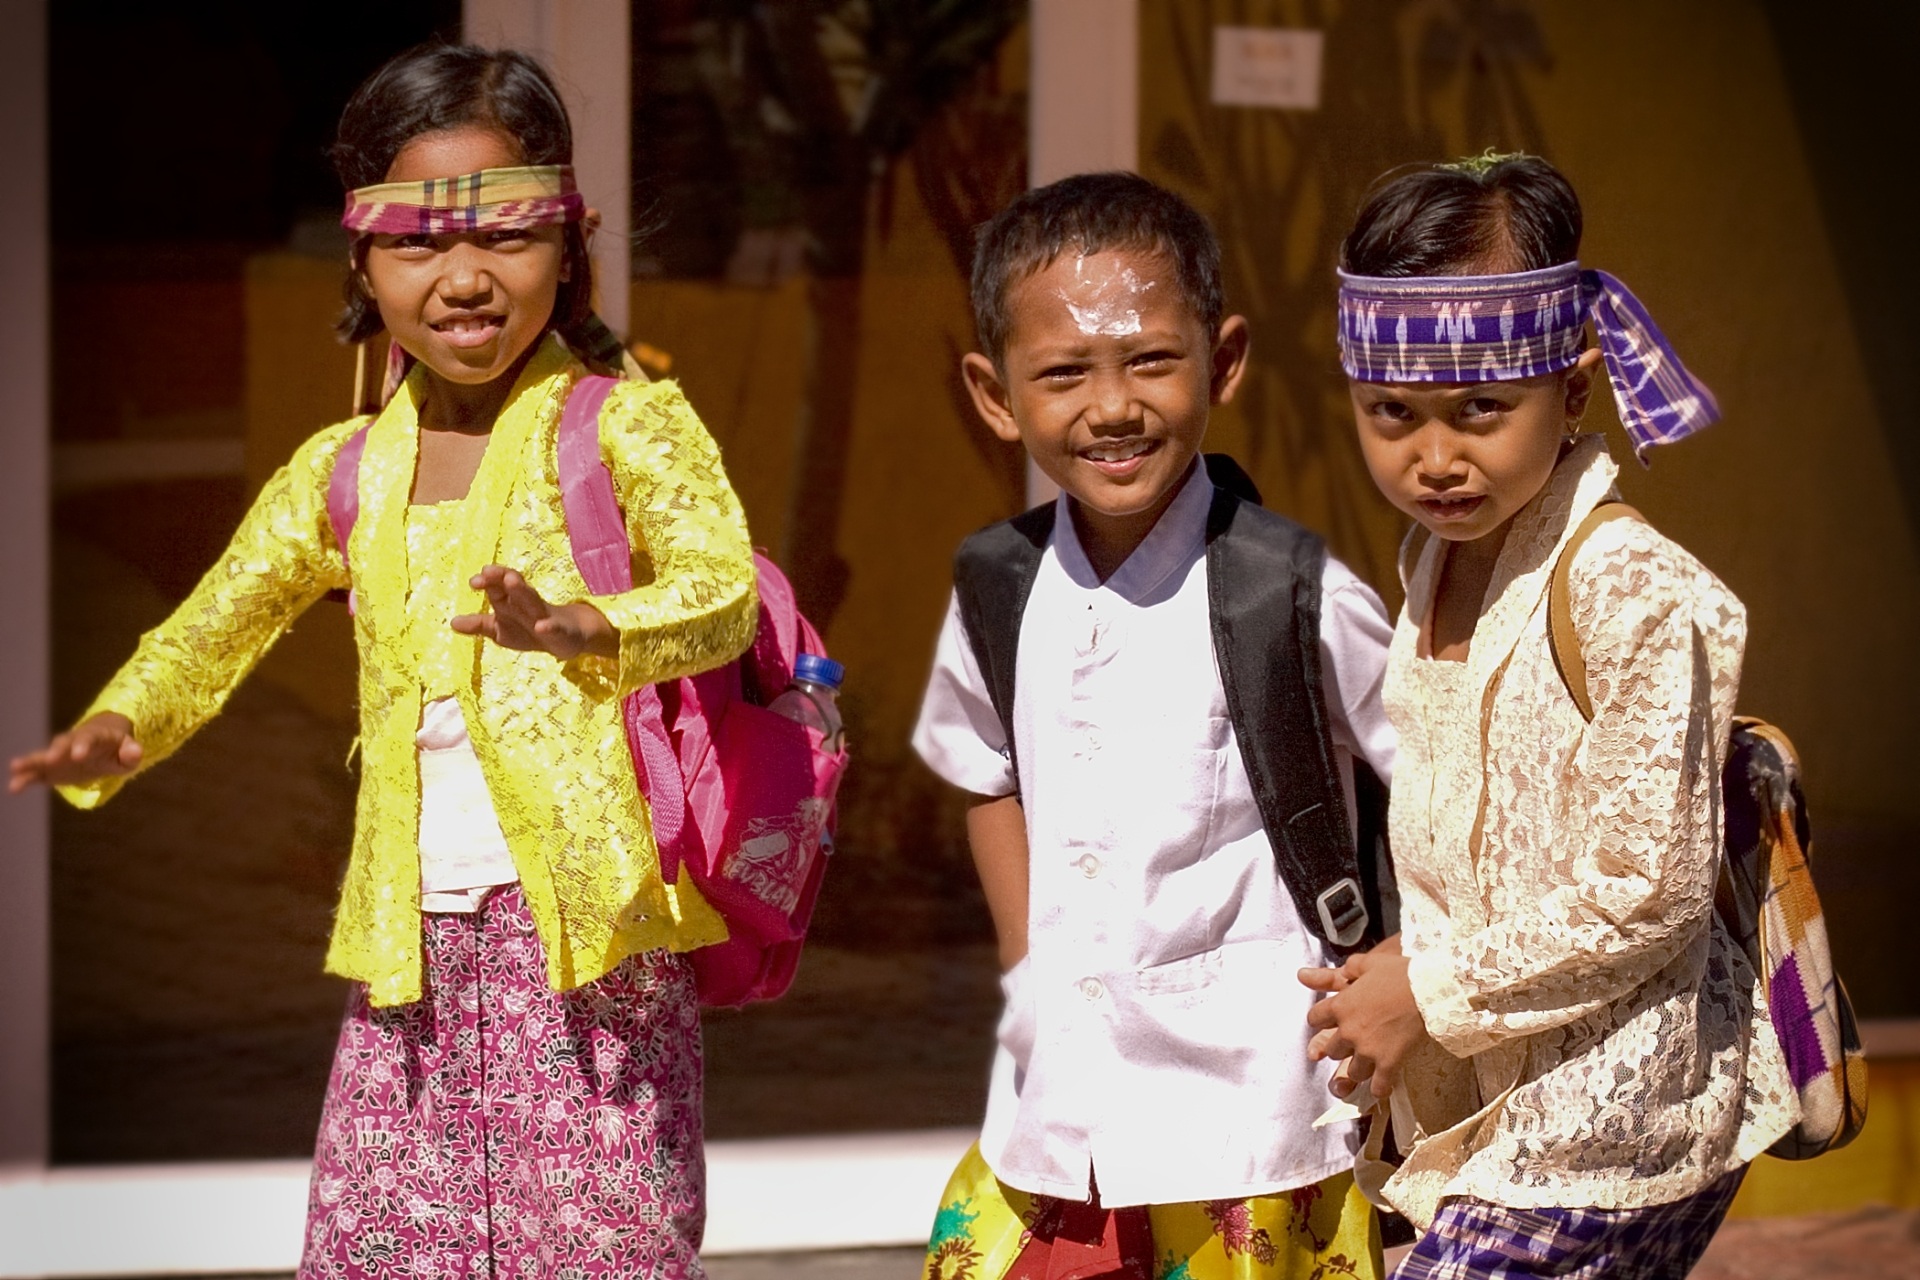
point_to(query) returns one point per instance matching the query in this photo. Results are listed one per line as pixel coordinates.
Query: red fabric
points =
(1075, 1241)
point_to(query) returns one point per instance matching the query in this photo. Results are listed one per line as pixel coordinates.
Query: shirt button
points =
(1092, 988)
(1089, 865)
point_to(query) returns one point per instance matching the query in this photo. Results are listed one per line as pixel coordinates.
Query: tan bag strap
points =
(1561, 637)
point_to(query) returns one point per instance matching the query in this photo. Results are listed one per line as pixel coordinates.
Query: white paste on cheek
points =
(1109, 303)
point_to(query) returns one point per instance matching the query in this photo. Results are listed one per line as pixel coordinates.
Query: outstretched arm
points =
(101, 746)
(281, 559)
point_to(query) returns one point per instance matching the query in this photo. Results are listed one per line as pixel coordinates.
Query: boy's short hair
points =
(1085, 214)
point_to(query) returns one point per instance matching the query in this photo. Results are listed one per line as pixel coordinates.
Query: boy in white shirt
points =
(1165, 781)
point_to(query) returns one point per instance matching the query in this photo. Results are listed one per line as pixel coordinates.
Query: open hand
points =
(101, 746)
(520, 618)
(1369, 1017)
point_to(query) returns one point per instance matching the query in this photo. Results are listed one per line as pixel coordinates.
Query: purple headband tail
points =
(1659, 400)
(1521, 325)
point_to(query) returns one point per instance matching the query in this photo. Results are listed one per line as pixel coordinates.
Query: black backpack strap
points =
(1374, 849)
(993, 575)
(1264, 586)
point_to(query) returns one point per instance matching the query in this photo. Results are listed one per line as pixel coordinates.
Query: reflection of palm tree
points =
(1282, 188)
(820, 99)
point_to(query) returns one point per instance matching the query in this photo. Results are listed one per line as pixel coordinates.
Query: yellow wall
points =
(1698, 193)
(1880, 1166)
(1674, 123)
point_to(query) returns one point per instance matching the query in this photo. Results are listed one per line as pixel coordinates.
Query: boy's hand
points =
(101, 746)
(1369, 1017)
(521, 619)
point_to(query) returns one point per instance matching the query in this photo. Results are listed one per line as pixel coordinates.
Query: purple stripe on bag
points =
(1794, 1025)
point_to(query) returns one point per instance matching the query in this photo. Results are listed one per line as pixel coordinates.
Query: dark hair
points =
(1487, 215)
(437, 86)
(1085, 214)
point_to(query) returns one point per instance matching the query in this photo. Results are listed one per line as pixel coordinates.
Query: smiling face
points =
(1462, 459)
(468, 306)
(1107, 379)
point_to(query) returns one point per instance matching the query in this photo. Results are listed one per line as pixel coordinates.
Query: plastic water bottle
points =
(812, 698)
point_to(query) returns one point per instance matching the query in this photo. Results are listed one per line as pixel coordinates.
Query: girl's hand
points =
(521, 619)
(1369, 1016)
(101, 746)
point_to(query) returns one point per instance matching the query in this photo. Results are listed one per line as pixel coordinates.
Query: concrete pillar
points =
(23, 554)
(1085, 96)
(1084, 104)
(588, 45)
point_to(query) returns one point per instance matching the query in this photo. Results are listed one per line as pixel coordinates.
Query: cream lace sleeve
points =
(1629, 882)
(699, 607)
(280, 560)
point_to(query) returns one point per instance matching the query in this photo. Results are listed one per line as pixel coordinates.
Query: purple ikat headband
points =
(1521, 325)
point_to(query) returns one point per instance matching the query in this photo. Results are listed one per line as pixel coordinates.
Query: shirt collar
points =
(1177, 538)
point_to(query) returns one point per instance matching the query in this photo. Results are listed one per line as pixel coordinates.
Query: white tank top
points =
(463, 852)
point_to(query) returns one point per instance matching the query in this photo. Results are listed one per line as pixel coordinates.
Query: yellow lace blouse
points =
(548, 734)
(1600, 1041)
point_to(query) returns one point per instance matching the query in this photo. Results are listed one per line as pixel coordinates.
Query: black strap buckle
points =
(1343, 912)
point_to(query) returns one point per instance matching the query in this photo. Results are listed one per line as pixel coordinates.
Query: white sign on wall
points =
(1267, 67)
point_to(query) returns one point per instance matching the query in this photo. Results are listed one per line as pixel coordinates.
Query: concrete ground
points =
(1871, 1244)
(846, 1264)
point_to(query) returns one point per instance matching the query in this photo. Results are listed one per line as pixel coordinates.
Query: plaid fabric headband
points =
(519, 198)
(1502, 328)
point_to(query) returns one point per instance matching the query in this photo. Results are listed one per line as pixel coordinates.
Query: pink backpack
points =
(741, 797)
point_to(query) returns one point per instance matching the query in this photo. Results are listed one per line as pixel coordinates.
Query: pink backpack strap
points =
(598, 533)
(783, 635)
(343, 497)
(595, 525)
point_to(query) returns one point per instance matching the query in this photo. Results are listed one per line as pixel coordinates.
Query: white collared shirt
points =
(1155, 1032)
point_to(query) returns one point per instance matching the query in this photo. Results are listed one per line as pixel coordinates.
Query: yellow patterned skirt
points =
(987, 1230)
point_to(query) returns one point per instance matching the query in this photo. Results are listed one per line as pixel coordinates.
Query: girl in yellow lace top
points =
(1576, 1056)
(518, 1077)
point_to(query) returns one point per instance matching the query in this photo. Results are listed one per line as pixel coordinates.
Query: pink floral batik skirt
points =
(498, 1128)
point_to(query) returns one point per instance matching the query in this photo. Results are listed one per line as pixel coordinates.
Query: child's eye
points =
(417, 241)
(1390, 411)
(1152, 360)
(1481, 407)
(508, 235)
(1060, 373)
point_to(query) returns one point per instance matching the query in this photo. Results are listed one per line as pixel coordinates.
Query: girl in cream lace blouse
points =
(1574, 1054)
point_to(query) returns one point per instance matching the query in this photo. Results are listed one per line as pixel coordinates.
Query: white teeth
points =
(1118, 452)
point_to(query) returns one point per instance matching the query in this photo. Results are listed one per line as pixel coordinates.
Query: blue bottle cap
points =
(819, 670)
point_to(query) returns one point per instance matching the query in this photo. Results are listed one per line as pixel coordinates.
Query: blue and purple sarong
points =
(1474, 1240)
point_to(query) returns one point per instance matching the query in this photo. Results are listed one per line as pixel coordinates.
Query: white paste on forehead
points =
(1112, 298)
